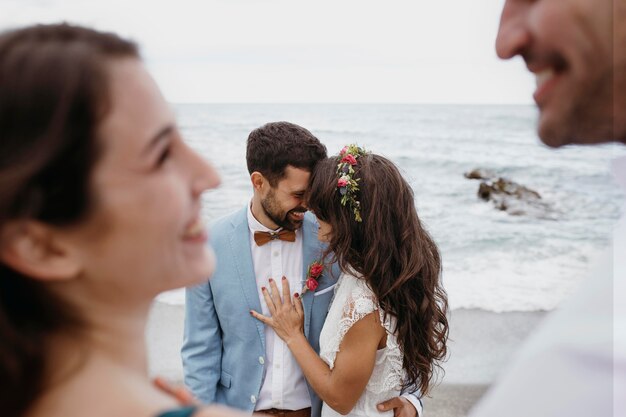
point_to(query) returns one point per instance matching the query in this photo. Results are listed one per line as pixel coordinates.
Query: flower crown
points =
(348, 185)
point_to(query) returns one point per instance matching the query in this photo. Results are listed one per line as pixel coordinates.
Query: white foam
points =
(174, 297)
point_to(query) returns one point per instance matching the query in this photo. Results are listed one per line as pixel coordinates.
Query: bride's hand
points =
(287, 314)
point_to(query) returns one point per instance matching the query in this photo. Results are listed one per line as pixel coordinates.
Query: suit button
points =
(261, 360)
(253, 399)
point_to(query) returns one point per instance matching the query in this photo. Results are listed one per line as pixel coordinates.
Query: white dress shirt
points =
(575, 363)
(284, 386)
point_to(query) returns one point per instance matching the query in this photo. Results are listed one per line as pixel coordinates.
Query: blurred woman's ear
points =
(34, 250)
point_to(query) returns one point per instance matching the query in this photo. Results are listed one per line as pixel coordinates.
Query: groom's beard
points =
(278, 216)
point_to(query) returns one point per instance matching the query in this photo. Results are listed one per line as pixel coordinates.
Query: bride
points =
(386, 329)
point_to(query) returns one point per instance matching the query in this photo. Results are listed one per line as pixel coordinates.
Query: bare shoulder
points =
(99, 389)
(368, 327)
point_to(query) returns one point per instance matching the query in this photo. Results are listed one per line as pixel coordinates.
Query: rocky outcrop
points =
(480, 174)
(509, 196)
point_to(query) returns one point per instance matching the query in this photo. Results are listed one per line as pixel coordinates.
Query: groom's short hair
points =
(274, 146)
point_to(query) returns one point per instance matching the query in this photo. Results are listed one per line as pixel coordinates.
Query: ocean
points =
(491, 260)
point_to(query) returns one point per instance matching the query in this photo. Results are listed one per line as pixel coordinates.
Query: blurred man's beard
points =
(278, 216)
(584, 118)
(619, 76)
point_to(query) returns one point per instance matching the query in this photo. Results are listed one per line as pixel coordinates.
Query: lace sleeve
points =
(359, 303)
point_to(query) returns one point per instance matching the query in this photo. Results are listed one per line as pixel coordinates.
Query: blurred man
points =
(575, 364)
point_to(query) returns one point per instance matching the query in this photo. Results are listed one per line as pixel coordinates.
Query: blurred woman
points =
(99, 212)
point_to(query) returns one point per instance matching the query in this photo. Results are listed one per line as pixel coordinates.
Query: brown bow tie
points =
(261, 238)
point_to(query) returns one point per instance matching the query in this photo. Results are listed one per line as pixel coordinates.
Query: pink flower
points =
(343, 151)
(349, 159)
(311, 284)
(316, 270)
(342, 182)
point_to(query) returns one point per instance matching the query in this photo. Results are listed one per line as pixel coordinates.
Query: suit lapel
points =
(310, 252)
(242, 257)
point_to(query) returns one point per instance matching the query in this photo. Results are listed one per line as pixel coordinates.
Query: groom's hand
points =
(401, 407)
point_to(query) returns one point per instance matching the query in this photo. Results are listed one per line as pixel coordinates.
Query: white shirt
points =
(284, 386)
(575, 363)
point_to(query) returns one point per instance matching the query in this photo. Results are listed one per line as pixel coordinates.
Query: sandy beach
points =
(481, 344)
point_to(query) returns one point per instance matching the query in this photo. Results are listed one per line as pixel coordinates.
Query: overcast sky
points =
(439, 51)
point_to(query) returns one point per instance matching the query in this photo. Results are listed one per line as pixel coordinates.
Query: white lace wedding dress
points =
(353, 301)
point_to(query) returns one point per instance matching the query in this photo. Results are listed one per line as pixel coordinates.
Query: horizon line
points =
(529, 104)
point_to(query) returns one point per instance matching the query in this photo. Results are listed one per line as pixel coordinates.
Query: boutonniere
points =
(314, 272)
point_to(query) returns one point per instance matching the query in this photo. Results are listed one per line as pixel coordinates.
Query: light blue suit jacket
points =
(224, 347)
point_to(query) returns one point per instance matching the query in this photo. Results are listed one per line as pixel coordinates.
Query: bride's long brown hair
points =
(394, 254)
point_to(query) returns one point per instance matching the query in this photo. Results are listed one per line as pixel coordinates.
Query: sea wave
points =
(492, 260)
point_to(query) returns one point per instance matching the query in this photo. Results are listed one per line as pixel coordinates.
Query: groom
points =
(228, 356)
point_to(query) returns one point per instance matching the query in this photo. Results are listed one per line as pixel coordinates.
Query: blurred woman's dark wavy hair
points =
(53, 94)
(393, 253)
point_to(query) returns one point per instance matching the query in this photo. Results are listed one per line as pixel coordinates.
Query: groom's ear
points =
(258, 180)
